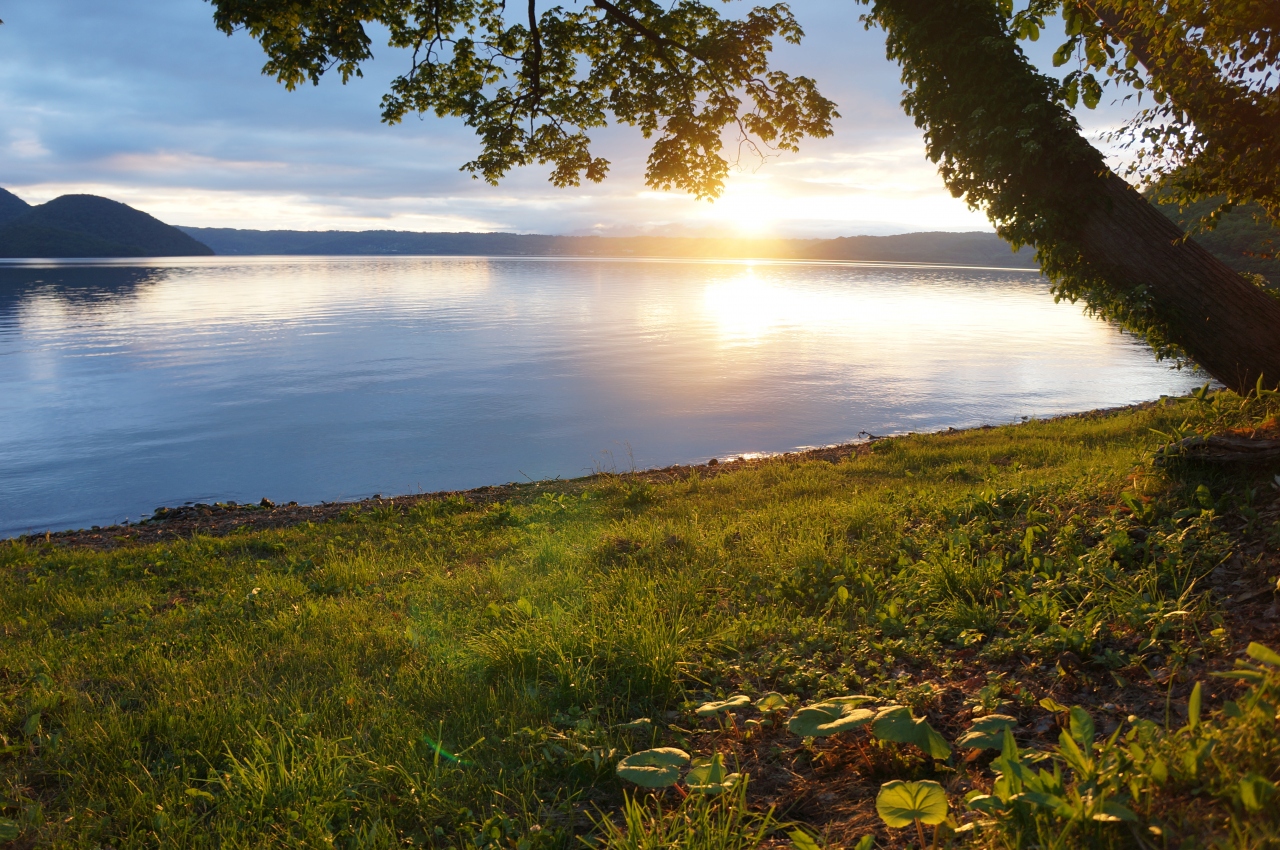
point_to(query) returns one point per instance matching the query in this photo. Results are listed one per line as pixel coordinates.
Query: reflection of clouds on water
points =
(132, 385)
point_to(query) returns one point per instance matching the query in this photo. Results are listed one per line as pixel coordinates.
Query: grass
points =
(450, 674)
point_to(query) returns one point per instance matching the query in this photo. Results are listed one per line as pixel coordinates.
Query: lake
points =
(134, 384)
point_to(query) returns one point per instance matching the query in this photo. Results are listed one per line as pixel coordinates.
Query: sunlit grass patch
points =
(458, 674)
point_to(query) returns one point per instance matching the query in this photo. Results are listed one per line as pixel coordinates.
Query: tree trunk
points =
(1004, 141)
(1230, 327)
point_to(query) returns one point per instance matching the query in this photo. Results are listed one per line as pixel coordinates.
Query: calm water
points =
(128, 386)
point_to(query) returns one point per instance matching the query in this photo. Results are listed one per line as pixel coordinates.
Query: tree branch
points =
(648, 34)
(534, 67)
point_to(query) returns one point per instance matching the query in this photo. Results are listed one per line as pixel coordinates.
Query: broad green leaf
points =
(640, 723)
(197, 792)
(709, 776)
(866, 842)
(1115, 812)
(1193, 708)
(708, 709)
(802, 840)
(1008, 747)
(985, 803)
(1264, 654)
(772, 701)
(900, 804)
(655, 768)
(9, 830)
(1044, 801)
(1082, 728)
(1074, 756)
(852, 699)
(987, 733)
(1255, 791)
(896, 724)
(1050, 704)
(828, 718)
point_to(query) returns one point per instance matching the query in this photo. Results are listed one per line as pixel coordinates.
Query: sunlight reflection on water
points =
(129, 385)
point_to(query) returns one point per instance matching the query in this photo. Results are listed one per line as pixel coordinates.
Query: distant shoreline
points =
(985, 250)
(224, 518)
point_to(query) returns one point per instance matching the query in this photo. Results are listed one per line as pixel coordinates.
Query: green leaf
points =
(866, 842)
(802, 840)
(772, 701)
(1193, 708)
(900, 804)
(828, 718)
(1090, 91)
(657, 768)
(1075, 757)
(32, 726)
(985, 803)
(1113, 812)
(197, 792)
(709, 709)
(1082, 728)
(9, 830)
(709, 776)
(640, 724)
(1051, 802)
(895, 723)
(987, 733)
(1266, 655)
(1255, 790)
(1009, 747)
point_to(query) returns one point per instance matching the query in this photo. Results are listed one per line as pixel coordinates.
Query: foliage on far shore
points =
(1037, 635)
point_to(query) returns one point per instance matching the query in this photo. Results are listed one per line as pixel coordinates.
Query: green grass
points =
(455, 675)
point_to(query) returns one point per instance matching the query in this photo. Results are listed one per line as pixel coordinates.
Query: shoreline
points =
(224, 518)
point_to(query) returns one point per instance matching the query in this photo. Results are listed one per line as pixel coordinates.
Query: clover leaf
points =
(895, 723)
(708, 709)
(986, 733)
(828, 718)
(657, 768)
(709, 776)
(900, 804)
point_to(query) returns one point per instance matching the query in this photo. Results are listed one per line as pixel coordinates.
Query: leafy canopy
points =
(533, 83)
(1211, 69)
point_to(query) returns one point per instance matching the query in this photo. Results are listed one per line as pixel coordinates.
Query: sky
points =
(145, 102)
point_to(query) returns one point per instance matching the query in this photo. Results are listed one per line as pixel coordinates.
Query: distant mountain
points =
(88, 226)
(11, 206)
(971, 249)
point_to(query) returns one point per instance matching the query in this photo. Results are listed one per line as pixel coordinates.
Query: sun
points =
(751, 205)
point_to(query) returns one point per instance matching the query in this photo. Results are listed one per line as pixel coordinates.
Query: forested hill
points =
(1242, 239)
(970, 249)
(11, 206)
(87, 226)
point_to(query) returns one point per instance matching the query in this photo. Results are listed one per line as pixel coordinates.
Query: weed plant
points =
(453, 674)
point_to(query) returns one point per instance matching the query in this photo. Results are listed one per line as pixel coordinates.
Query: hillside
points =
(977, 249)
(88, 226)
(1243, 241)
(11, 206)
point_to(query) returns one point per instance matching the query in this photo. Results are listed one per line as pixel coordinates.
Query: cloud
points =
(145, 102)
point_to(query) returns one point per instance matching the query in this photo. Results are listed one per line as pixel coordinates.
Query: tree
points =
(1212, 71)
(1006, 143)
(997, 127)
(533, 85)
